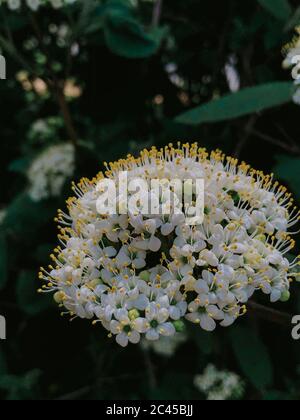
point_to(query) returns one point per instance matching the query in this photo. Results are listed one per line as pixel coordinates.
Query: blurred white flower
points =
(166, 346)
(292, 61)
(14, 4)
(219, 385)
(232, 75)
(34, 5)
(2, 215)
(50, 170)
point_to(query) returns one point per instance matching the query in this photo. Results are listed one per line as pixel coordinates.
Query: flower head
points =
(139, 275)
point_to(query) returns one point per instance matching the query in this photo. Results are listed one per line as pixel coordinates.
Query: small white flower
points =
(204, 314)
(157, 322)
(126, 330)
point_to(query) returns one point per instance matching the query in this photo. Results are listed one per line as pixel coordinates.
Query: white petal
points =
(100, 289)
(183, 308)
(140, 303)
(110, 252)
(115, 327)
(167, 329)
(122, 316)
(275, 295)
(201, 287)
(152, 335)
(193, 317)
(228, 321)
(140, 325)
(163, 315)
(134, 337)
(215, 312)
(207, 323)
(167, 229)
(154, 244)
(175, 313)
(143, 245)
(164, 301)
(122, 339)
(139, 263)
(151, 312)
(185, 270)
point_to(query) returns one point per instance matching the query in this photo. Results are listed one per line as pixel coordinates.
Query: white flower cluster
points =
(219, 385)
(292, 61)
(144, 275)
(35, 4)
(166, 346)
(50, 170)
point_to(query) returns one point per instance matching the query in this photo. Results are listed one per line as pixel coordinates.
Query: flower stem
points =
(157, 10)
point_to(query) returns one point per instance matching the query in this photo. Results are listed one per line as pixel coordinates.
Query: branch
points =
(12, 51)
(276, 142)
(55, 86)
(222, 44)
(157, 10)
(149, 369)
(73, 396)
(65, 110)
(247, 133)
(270, 315)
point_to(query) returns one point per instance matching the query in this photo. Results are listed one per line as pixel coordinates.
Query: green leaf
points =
(288, 169)
(28, 299)
(24, 216)
(14, 22)
(22, 387)
(3, 261)
(126, 37)
(204, 340)
(247, 101)
(293, 21)
(276, 396)
(253, 357)
(19, 165)
(280, 9)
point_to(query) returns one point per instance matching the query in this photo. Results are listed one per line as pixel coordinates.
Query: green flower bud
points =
(179, 326)
(144, 275)
(261, 238)
(133, 314)
(285, 297)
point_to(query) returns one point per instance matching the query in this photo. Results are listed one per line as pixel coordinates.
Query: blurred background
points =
(89, 81)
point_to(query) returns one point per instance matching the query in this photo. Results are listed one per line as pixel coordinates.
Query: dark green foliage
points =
(248, 101)
(252, 357)
(145, 80)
